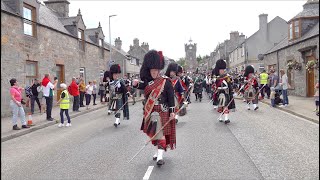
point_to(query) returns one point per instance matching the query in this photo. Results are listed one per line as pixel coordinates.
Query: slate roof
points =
(6, 8)
(285, 42)
(107, 45)
(49, 18)
(310, 9)
(68, 21)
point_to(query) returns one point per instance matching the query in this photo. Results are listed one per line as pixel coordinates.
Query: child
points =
(64, 102)
(316, 95)
(273, 96)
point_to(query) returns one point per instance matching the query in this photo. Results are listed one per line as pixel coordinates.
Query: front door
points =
(60, 76)
(310, 79)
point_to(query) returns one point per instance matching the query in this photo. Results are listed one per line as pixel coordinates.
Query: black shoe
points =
(82, 106)
(25, 126)
(15, 127)
(256, 108)
(227, 121)
(50, 119)
(154, 158)
(94, 104)
(160, 162)
(176, 121)
(220, 120)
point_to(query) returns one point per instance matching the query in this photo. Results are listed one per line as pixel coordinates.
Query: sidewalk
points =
(39, 120)
(298, 106)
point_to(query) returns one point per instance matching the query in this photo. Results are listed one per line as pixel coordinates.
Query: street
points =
(266, 144)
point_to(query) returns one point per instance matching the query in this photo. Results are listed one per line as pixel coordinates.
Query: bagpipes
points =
(234, 97)
(151, 139)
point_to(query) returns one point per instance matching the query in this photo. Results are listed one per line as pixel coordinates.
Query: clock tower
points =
(191, 57)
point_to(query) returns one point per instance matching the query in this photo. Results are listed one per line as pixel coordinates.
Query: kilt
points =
(169, 131)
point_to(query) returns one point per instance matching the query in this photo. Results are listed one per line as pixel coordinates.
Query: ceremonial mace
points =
(155, 135)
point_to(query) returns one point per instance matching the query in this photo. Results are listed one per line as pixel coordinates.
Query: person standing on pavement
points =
(316, 96)
(89, 90)
(74, 91)
(48, 92)
(264, 83)
(64, 102)
(285, 85)
(102, 90)
(94, 91)
(16, 105)
(34, 89)
(82, 88)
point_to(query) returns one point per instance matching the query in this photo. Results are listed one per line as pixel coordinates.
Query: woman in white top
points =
(94, 92)
(285, 85)
(89, 89)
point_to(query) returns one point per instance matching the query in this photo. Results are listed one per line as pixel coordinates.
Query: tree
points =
(182, 62)
(199, 59)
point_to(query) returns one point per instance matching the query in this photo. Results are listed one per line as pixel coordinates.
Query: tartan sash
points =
(153, 97)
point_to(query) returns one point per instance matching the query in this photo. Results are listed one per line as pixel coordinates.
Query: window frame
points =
(28, 62)
(31, 22)
(81, 40)
(296, 23)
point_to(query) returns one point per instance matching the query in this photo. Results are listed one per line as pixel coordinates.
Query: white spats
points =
(248, 106)
(160, 154)
(226, 117)
(255, 106)
(117, 122)
(177, 116)
(215, 107)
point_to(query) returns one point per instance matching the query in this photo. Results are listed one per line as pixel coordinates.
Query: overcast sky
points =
(167, 25)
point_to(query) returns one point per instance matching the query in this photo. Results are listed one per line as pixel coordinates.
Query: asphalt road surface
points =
(263, 144)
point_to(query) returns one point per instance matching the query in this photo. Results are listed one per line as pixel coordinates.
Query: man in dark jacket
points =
(74, 91)
(34, 95)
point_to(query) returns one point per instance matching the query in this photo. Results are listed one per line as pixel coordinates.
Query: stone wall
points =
(299, 82)
(47, 49)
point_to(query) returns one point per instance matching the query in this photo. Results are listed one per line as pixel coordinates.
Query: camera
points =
(55, 78)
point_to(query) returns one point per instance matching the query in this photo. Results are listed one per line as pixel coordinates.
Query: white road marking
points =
(148, 173)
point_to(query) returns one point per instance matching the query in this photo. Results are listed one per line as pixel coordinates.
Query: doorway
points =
(61, 78)
(310, 79)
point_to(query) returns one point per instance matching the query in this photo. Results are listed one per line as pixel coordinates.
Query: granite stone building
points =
(251, 50)
(37, 39)
(299, 48)
(223, 50)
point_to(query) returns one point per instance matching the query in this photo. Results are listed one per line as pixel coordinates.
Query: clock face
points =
(190, 47)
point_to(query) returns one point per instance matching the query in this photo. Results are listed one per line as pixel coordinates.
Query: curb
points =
(289, 111)
(49, 123)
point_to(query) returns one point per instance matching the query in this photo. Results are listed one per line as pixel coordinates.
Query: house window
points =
(290, 77)
(31, 71)
(81, 39)
(83, 73)
(29, 15)
(296, 29)
(242, 54)
(100, 42)
(101, 49)
(290, 31)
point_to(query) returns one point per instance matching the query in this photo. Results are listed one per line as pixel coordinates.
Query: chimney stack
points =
(118, 43)
(59, 6)
(136, 42)
(145, 46)
(263, 25)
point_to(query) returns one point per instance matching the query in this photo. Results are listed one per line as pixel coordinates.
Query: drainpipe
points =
(278, 66)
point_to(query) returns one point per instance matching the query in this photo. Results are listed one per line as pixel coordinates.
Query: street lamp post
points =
(110, 60)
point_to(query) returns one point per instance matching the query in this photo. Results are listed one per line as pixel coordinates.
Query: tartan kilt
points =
(169, 131)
